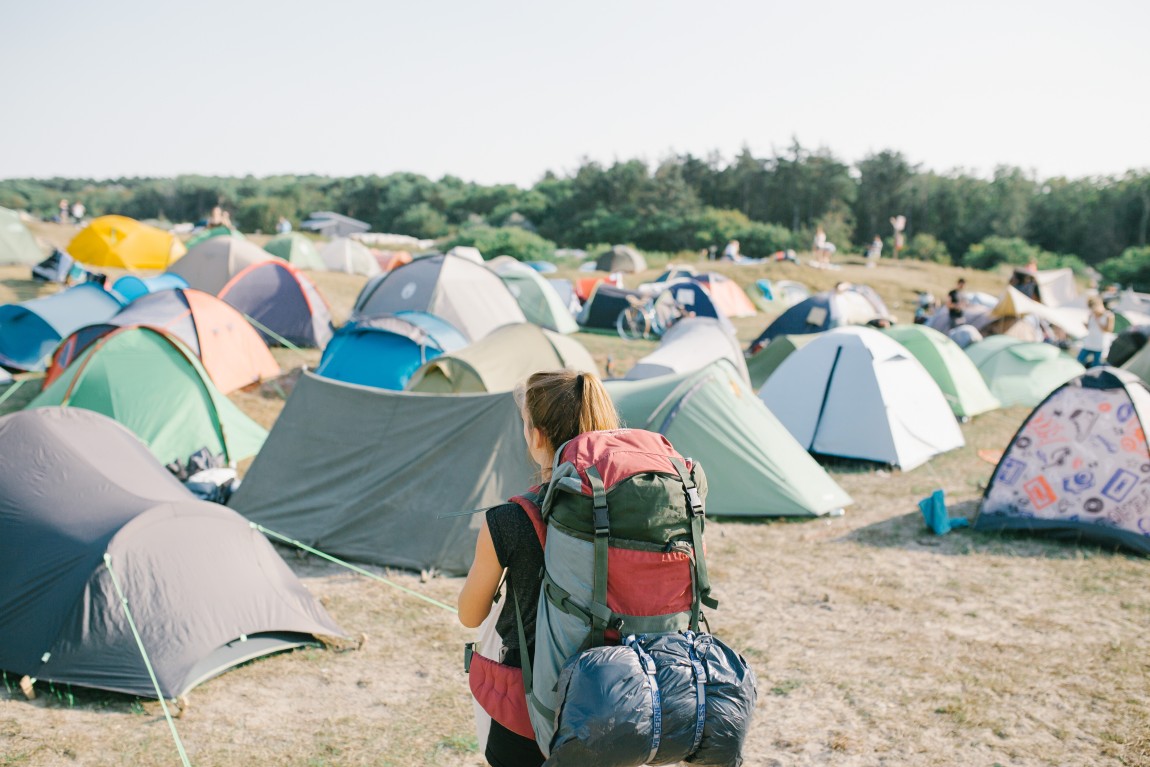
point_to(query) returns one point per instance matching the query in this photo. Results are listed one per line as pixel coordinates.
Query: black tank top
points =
(517, 547)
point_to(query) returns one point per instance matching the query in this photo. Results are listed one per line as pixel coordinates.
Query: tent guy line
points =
(147, 661)
(349, 566)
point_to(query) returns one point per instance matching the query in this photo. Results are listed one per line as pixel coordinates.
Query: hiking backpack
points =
(621, 522)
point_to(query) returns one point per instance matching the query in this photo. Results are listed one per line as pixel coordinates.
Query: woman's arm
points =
(482, 580)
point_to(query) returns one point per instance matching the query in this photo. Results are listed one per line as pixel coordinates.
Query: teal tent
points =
(754, 467)
(151, 383)
(1022, 372)
(17, 245)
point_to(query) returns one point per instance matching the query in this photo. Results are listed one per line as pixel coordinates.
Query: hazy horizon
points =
(506, 91)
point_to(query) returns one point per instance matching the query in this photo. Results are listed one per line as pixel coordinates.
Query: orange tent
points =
(390, 259)
(726, 294)
(232, 352)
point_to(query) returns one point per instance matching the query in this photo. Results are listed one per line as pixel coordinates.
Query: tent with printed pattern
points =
(1079, 466)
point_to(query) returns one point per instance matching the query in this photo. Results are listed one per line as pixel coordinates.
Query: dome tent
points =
(754, 467)
(764, 362)
(124, 243)
(852, 305)
(344, 254)
(855, 393)
(150, 382)
(1079, 465)
(207, 592)
(17, 245)
(297, 250)
(29, 331)
(384, 351)
(690, 344)
(954, 372)
(209, 265)
(282, 304)
(621, 258)
(500, 361)
(537, 297)
(231, 351)
(1021, 372)
(469, 296)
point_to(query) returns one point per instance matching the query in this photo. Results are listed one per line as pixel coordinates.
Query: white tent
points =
(468, 252)
(691, 344)
(346, 255)
(1057, 287)
(856, 393)
(1015, 304)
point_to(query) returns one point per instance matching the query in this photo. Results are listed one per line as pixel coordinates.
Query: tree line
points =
(684, 202)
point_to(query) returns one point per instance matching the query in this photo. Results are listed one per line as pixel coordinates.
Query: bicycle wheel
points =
(632, 323)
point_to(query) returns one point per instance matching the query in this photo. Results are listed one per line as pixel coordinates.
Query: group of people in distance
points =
(1099, 321)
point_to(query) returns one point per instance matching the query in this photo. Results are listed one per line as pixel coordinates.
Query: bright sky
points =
(502, 91)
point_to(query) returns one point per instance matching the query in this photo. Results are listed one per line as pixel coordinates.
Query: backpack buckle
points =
(602, 521)
(695, 501)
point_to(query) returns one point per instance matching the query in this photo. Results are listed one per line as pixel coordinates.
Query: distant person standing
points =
(283, 226)
(78, 211)
(1098, 324)
(731, 252)
(63, 215)
(874, 251)
(956, 303)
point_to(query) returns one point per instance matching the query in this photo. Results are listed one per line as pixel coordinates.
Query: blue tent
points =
(384, 351)
(29, 331)
(693, 297)
(130, 287)
(852, 305)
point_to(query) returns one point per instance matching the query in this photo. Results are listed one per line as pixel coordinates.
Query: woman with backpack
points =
(556, 407)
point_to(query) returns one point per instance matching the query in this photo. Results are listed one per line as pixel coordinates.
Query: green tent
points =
(1021, 372)
(154, 385)
(1139, 364)
(754, 467)
(501, 361)
(215, 231)
(535, 295)
(764, 362)
(956, 375)
(297, 249)
(17, 245)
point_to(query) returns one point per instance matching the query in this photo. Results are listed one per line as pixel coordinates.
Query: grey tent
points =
(17, 245)
(211, 263)
(382, 467)
(621, 258)
(206, 591)
(468, 295)
(691, 344)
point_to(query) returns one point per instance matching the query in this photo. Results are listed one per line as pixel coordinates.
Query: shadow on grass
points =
(909, 532)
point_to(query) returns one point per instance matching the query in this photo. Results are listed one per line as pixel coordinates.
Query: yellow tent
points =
(124, 243)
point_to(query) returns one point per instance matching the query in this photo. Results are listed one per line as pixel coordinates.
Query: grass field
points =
(874, 641)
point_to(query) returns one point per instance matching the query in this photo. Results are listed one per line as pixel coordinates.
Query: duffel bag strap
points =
(600, 613)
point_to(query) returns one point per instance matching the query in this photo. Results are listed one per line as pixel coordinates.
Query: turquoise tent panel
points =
(384, 352)
(130, 287)
(29, 331)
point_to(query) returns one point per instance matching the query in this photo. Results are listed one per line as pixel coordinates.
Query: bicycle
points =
(648, 317)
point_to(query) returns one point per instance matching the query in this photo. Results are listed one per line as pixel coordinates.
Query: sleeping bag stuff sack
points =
(621, 522)
(656, 699)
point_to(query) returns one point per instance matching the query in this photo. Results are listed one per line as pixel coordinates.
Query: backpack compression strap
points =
(600, 612)
(698, 514)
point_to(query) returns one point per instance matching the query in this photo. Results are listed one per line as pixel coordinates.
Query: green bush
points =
(520, 244)
(926, 247)
(996, 250)
(1131, 269)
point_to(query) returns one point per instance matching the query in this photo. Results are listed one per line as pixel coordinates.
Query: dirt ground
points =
(874, 641)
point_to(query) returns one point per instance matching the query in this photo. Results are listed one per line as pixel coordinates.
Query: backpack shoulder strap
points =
(529, 502)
